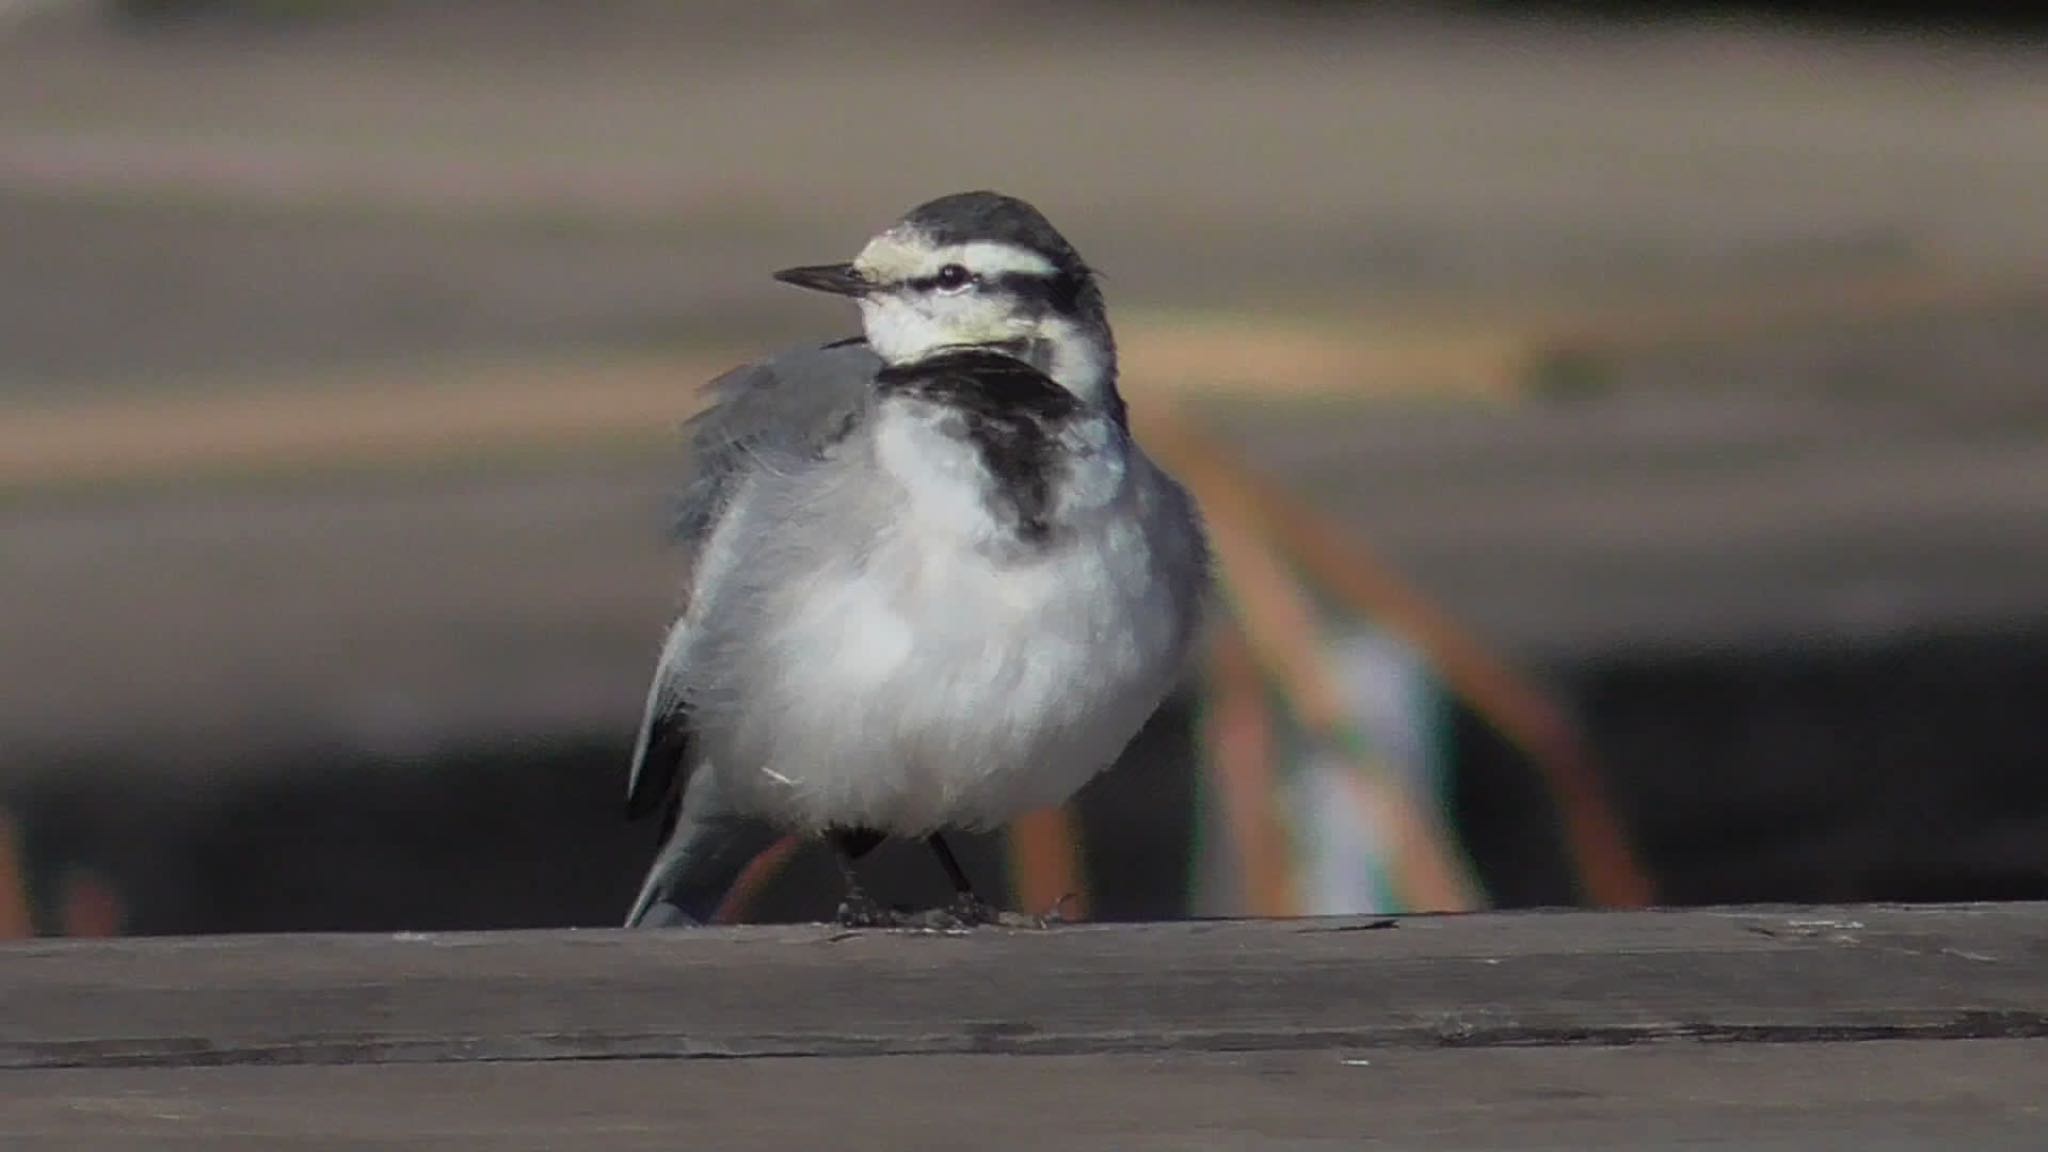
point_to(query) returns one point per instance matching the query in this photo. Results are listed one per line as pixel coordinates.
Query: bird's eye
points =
(953, 276)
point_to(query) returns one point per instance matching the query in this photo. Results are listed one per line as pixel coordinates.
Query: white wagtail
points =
(934, 583)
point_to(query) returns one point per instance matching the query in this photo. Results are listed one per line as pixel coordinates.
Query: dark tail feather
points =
(698, 864)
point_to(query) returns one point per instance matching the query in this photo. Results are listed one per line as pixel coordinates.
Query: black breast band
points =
(1011, 412)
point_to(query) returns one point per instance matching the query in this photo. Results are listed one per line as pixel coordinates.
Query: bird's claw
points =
(964, 914)
(1059, 912)
(970, 911)
(860, 911)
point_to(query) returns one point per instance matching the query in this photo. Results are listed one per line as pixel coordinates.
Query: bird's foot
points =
(1061, 911)
(971, 911)
(859, 910)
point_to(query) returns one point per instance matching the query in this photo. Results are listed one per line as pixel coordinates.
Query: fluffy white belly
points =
(936, 687)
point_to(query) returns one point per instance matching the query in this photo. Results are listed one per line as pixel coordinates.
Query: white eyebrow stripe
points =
(994, 258)
(900, 255)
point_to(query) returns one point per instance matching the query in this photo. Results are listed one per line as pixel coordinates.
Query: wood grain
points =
(1879, 1097)
(1874, 1028)
(1477, 981)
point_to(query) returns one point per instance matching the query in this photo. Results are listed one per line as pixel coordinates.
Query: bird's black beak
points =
(838, 279)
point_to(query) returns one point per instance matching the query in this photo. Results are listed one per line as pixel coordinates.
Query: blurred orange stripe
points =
(15, 921)
(757, 875)
(1606, 863)
(1278, 621)
(1418, 847)
(1287, 637)
(1238, 738)
(90, 908)
(1045, 865)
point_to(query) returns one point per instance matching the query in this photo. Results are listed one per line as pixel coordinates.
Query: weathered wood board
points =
(1795, 1028)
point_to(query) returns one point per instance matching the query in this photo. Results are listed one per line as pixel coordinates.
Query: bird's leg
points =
(969, 909)
(857, 909)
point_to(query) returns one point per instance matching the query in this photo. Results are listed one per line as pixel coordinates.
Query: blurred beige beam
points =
(447, 411)
(1881, 297)
(451, 409)
(443, 409)
(1489, 350)
(1394, 351)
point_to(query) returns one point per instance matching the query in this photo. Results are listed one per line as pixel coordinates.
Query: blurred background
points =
(1625, 429)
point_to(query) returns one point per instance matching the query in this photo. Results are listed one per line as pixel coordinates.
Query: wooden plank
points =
(1980, 1095)
(1480, 981)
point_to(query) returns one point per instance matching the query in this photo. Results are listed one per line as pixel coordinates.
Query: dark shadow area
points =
(1967, 16)
(1914, 770)
(521, 836)
(1908, 771)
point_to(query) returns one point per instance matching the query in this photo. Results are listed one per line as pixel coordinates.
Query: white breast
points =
(952, 676)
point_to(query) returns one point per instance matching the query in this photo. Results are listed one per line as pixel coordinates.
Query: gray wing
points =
(794, 403)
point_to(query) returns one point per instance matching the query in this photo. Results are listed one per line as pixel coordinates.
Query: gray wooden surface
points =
(1807, 1028)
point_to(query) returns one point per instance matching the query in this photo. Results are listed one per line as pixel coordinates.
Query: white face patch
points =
(910, 314)
(913, 313)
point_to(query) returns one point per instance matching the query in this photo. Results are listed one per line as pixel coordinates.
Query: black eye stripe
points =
(1055, 289)
(1027, 284)
(950, 277)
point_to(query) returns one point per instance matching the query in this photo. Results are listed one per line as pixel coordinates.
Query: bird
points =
(932, 581)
